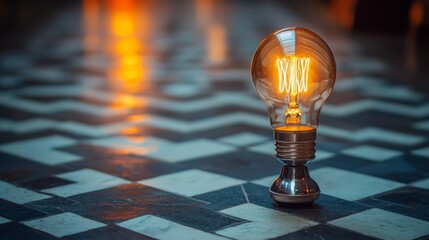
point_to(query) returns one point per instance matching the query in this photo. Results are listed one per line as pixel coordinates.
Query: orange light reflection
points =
(126, 20)
(213, 29)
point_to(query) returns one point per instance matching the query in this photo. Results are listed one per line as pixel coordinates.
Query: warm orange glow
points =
(293, 80)
(137, 118)
(293, 74)
(127, 36)
(211, 25)
(343, 12)
(217, 43)
(294, 128)
(127, 101)
(91, 24)
(416, 13)
(130, 130)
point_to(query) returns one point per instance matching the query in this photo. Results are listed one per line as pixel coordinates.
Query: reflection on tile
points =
(383, 224)
(243, 139)
(4, 220)
(163, 229)
(371, 153)
(191, 182)
(164, 150)
(19, 195)
(63, 224)
(264, 222)
(86, 180)
(350, 185)
(42, 150)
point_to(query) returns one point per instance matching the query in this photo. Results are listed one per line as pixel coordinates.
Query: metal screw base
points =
(294, 186)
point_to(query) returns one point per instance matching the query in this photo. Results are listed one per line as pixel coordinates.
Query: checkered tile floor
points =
(156, 132)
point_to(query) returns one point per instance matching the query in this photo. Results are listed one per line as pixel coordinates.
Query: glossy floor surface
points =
(138, 120)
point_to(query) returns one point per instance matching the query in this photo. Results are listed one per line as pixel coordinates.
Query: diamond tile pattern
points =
(126, 120)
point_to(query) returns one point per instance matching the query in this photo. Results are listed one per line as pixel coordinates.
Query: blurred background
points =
(138, 40)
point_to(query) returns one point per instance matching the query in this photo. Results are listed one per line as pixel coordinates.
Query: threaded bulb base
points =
(293, 147)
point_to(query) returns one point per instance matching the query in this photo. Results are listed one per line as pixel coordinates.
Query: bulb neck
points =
(295, 147)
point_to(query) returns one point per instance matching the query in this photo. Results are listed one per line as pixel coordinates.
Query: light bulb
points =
(293, 71)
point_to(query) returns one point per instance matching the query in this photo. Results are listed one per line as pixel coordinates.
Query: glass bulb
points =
(293, 71)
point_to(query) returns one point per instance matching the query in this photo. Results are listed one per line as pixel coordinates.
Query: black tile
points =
(18, 170)
(224, 198)
(344, 162)
(132, 168)
(106, 233)
(44, 183)
(240, 164)
(18, 212)
(324, 232)
(410, 201)
(19, 231)
(124, 202)
(399, 169)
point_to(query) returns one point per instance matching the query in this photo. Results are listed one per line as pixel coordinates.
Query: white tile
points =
(424, 183)
(423, 125)
(198, 148)
(63, 224)
(350, 185)
(191, 182)
(372, 153)
(370, 133)
(264, 148)
(266, 181)
(422, 152)
(164, 150)
(358, 106)
(86, 180)
(393, 92)
(163, 229)
(4, 220)
(42, 150)
(243, 139)
(383, 224)
(59, 106)
(182, 89)
(357, 82)
(323, 155)
(264, 223)
(19, 195)
(208, 123)
(26, 126)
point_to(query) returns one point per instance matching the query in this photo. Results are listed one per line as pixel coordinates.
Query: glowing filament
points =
(293, 74)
